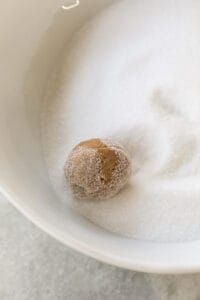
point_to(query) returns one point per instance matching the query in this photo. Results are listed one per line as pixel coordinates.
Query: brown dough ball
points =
(97, 169)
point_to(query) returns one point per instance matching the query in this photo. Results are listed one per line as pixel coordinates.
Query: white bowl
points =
(32, 33)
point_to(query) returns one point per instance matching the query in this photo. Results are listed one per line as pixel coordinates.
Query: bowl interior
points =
(32, 35)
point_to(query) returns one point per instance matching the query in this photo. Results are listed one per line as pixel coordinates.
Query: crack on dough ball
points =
(97, 169)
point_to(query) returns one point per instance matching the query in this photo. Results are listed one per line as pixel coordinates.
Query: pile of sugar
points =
(132, 73)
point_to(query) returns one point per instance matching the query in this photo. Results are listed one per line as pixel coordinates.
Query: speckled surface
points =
(36, 267)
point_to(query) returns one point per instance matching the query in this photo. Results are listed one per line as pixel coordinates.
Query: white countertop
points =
(36, 267)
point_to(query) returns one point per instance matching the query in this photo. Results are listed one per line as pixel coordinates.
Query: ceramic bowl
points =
(32, 34)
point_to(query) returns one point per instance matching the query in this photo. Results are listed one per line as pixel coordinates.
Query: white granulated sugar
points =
(133, 73)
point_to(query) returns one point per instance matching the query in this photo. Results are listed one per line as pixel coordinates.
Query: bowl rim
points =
(189, 264)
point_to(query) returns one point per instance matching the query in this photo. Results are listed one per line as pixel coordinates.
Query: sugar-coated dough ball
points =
(97, 169)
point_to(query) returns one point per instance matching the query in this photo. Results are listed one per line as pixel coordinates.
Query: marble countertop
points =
(36, 267)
